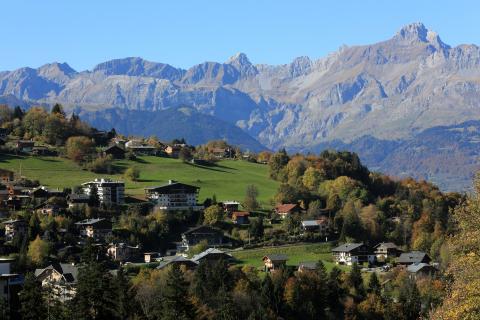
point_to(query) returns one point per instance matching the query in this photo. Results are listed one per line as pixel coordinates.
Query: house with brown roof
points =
(319, 226)
(115, 151)
(240, 217)
(350, 253)
(413, 257)
(122, 252)
(97, 229)
(274, 262)
(385, 250)
(286, 209)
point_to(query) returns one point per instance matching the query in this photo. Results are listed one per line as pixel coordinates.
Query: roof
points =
(313, 223)
(211, 229)
(172, 187)
(114, 147)
(416, 267)
(175, 259)
(88, 222)
(208, 252)
(309, 265)
(347, 247)
(286, 207)
(241, 214)
(69, 272)
(276, 257)
(387, 245)
(78, 197)
(412, 257)
(14, 221)
(229, 203)
(102, 181)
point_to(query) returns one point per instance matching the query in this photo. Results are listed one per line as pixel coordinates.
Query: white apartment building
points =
(109, 192)
(174, 196)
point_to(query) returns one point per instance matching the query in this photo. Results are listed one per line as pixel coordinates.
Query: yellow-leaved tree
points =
(463, 298)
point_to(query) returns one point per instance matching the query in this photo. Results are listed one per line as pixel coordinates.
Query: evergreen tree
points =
(335, 293)
(124, 298)
(58, 109)
(374, 285)
(32, 304)
(18, 113)
(94, 297)
(355, 281)
(175, 303)
(409, 300)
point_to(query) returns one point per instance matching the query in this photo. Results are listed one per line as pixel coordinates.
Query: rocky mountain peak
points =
(241, 62)
(417, 32)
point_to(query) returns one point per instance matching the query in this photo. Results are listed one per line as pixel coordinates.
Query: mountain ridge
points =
(391, 90)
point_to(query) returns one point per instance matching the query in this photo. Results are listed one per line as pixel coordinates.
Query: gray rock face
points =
(390, 90)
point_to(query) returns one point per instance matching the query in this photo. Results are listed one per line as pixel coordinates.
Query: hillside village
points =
(378, 243)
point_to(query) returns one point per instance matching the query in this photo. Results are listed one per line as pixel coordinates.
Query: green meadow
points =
(295, 253)
(227, 179)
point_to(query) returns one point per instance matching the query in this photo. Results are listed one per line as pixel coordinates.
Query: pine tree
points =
(409, 299)
(32, 304)
(355, 280)
(374, 285)
(124, 299)
(176, 304)
(94, 297)
(58, 109)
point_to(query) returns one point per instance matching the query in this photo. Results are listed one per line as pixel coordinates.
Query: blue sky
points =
(183, 33)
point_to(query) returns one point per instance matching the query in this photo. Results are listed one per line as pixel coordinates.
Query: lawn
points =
(296, 254)
(228, 179)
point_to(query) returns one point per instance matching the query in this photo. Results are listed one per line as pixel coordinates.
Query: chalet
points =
(418, 270)
(97, 229)
(212, 254)
(14, 227)
(177, 260)
(173, 150)
(24, 145)
(319, 226)
(386, 250)
(213, 236)
(220, 153)
(307, 266)
(240, 217)
(413, 257)
(109, 192)
(284, 210)
(350, 253)
(274, 262)
(115, 151)
(139, 148)
(77, 199)
(122, 252)
(60, 278)
(39, 193)
(230, 206)
(6, 176)
(151, 257)
(48, 209)
(43, 151)
(174, 196)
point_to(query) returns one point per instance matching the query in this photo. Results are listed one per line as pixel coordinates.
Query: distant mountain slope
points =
(183, 122)
(389, 91)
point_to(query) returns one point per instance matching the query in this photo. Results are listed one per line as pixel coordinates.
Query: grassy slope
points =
(296, 254)
(228, 179)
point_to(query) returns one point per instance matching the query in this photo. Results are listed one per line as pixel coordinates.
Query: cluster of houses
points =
(417, 263)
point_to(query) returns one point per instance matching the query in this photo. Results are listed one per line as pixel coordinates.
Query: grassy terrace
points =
(296, 254)
(228, 179)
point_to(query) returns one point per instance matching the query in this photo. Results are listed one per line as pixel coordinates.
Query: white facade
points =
(109, 192)
(174, 196)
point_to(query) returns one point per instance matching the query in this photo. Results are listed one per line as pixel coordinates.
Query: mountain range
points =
(402, 104)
